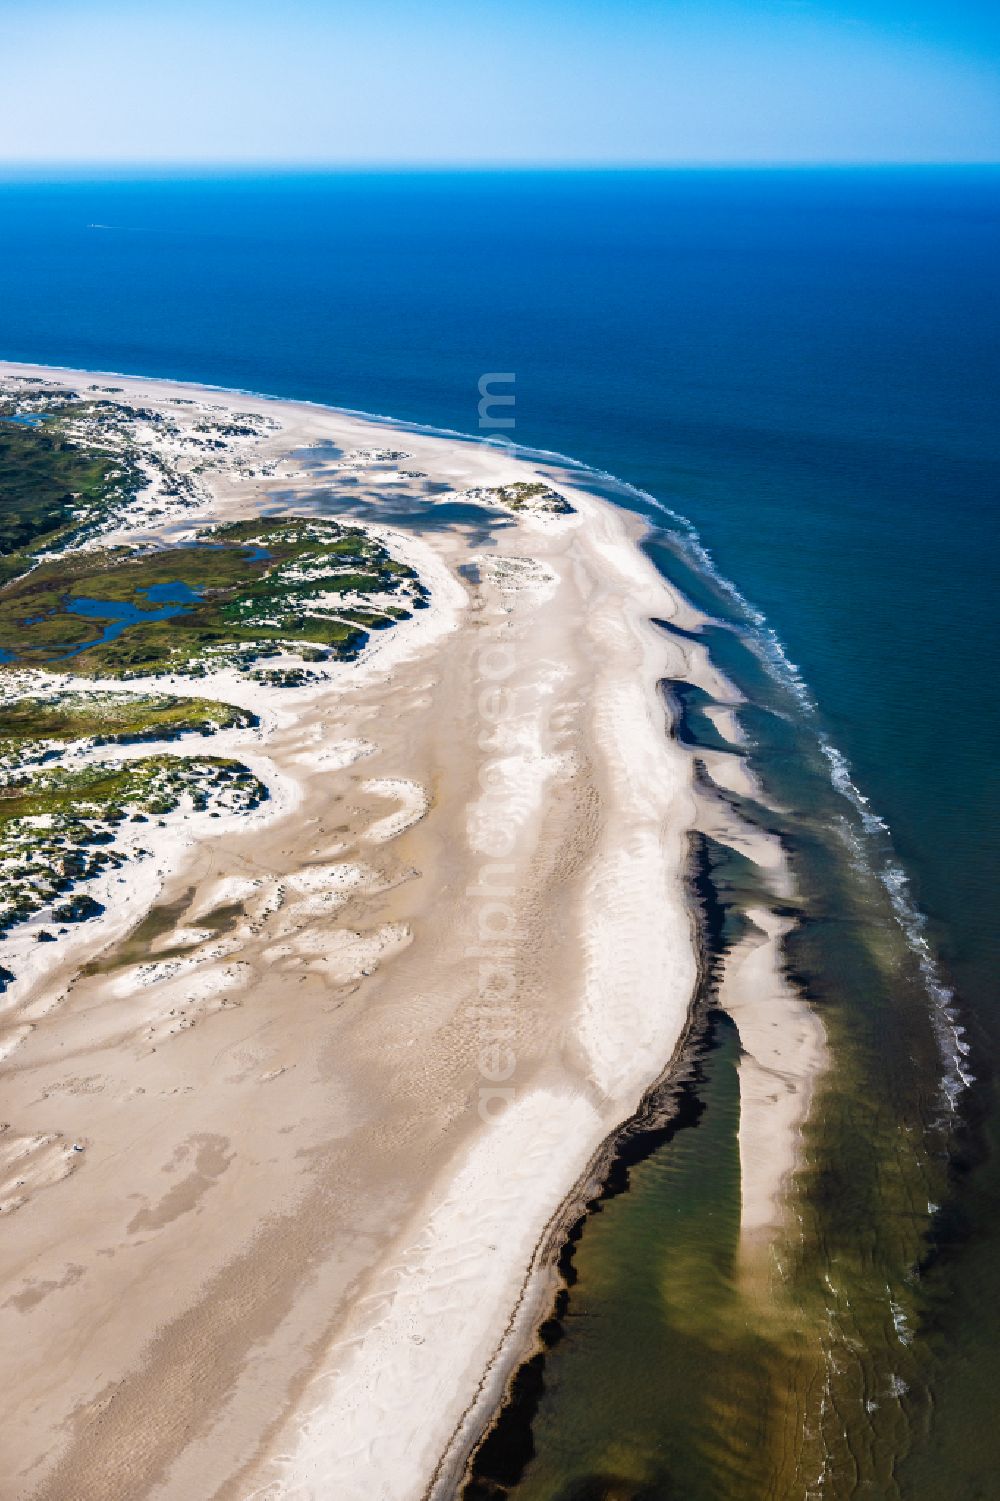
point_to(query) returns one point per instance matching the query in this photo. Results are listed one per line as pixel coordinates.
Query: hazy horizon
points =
(323, 86)
(237, 168)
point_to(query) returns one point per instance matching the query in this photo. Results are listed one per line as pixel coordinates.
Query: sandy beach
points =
(287, 1180)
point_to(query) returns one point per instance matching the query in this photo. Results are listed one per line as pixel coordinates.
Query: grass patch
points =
(260, 587)
(533, 496)
(529, 496)
(48, 486)
(31, 727)
(58, 826)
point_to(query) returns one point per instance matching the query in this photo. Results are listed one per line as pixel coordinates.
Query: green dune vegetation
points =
(50, 487)
(528, 497)
(34, 728)
(61, 824)
(237, 595)
(58, 826)
(523, 495)
(240, 592)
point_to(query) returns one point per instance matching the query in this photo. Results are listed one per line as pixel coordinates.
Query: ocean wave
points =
(876, 856)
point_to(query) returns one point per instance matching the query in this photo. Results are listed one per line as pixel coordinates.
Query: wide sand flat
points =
(323, 1138)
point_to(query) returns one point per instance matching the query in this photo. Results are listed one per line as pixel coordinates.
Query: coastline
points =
(416, 1218)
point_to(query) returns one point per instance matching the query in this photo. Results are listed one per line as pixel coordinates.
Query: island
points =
(348, 916)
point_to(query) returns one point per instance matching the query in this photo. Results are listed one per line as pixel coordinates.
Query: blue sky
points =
(399, 81)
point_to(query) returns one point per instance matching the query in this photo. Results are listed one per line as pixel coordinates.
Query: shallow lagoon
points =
(120, 614)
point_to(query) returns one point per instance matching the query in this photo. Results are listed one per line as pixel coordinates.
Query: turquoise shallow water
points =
(806, 366)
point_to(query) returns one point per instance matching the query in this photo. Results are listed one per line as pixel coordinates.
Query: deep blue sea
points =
(806, 364)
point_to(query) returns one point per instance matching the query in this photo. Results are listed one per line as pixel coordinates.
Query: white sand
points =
(464, 952)
(358, 1422)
